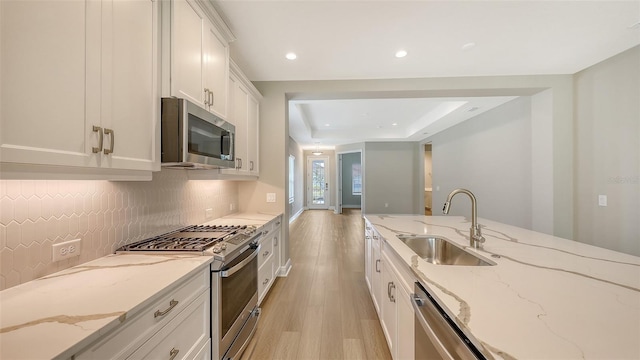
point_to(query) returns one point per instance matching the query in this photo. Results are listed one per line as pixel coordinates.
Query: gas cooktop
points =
(195, 238)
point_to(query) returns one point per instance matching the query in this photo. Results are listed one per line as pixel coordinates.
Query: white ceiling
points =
(343, 39)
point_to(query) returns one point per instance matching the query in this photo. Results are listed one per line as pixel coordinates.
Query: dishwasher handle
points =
(418, 306)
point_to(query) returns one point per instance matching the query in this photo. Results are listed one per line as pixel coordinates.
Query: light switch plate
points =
(602, 200)
(271, 197)
(208, 214)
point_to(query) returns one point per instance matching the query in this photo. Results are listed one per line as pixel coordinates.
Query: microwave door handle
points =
(241, 264)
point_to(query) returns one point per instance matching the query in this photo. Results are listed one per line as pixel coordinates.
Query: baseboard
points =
(351, 206)
(283, 271)
(295, 216)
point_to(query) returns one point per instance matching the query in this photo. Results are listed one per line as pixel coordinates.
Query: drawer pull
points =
(172, 304)
(377, 262)
(266, 253)
(173, 353)
(278, 223)
(265, 282)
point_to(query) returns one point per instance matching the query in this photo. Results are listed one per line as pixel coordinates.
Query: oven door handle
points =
(241, 264)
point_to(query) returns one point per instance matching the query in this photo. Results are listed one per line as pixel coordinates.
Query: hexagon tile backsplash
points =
(35, 214)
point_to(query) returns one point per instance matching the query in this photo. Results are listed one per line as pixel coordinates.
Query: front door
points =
(318, 182)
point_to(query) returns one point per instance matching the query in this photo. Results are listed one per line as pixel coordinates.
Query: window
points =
(356, 180)
(292, 162)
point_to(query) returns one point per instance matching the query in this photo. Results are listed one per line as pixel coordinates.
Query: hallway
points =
(322, 310)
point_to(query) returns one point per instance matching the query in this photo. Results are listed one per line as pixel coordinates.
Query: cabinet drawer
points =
(183, 336)
(136, 329)
(266, 251)
(265, 278)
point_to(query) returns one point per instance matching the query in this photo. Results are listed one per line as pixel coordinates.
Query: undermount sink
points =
(440, 251)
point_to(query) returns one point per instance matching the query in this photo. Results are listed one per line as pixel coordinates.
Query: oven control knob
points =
(223, 246)
(216, 249)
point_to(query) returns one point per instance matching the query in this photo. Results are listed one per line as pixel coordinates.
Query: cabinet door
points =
(240, 112)
(186, 55)
(389, 308)
(253, 137)
(48, 50)
(130, 88)
(367, 254)
(405, 341)
(216, 67)
(376, 273)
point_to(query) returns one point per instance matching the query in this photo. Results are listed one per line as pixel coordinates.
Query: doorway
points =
(428, 180)
(318, 182)
(349, 181)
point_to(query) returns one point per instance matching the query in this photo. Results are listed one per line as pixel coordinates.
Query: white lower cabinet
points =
(269, 257)
(390, 284)
(183, 338)
(178, 323)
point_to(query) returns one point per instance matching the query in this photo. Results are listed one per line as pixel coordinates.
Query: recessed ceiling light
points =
(291, 56)
(394, 124)
(327, 124)
(473, 109)
(468, 46)
(401, 53)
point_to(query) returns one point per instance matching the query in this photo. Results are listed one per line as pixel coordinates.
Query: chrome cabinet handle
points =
(266, 253)
(206, 97)
(278, 223)
(392, 297)
(265, 282)
(172, 304)
(389, 289)
(377, 262)
(275, 241)
(98, 129)
(112, 137)
(250, 165)
(211, 98)
(173, 353)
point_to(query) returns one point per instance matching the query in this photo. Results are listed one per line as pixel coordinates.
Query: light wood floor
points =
(322, 310)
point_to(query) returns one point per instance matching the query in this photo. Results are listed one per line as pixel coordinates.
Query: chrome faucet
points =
(475, 235)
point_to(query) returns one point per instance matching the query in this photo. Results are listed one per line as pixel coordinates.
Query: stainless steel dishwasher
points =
(436, 334)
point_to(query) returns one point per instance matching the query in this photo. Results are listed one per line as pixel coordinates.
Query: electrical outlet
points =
(66, 250)
(231, 207)
(208, 214)
(602, 200)
(386, 205)
(271, 197)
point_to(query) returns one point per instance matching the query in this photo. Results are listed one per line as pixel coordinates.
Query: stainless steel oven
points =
(234, 278)
(235, 311)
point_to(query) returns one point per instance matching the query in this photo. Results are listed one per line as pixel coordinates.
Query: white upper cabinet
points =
(244, 107)
(199, 57)
(79, 84)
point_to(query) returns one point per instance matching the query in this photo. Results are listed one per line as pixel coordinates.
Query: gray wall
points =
(348, 199)
(608, 153)
(298, 203)
(392, 178)
(274, 129)
(490, 155)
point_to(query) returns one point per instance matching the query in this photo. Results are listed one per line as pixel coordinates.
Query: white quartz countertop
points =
(60, 314)
(245, 218)
(547, 297)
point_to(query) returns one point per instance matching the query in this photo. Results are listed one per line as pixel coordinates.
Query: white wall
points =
(298, 205)
(607, 134)
(489, 155)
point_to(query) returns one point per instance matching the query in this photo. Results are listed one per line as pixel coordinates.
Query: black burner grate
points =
(189, 239)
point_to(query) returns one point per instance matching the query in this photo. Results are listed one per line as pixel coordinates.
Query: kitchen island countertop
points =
(547, 297)
(60, 314)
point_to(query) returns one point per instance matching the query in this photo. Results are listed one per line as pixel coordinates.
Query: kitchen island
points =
(546, 297)
(59, 315)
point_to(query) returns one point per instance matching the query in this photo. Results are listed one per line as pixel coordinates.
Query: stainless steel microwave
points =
(193, 138)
